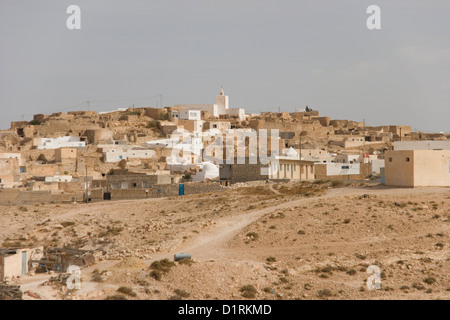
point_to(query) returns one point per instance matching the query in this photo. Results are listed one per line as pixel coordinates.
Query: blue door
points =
(181, 190)
(24, 263)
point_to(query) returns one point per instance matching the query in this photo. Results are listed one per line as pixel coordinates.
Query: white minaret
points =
(222, 102)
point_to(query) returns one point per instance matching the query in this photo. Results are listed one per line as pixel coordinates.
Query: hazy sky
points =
(267, 54)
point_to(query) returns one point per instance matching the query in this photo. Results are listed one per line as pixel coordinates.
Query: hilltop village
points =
(132, 153)
(95, 205)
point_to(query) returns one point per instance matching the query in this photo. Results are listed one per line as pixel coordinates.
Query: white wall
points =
(377, 164)
(335, 169)
(60, 142)
(190, 115)
(12, 156)
(212, 108)
(115, 155)
(59, 179)
(347, 158)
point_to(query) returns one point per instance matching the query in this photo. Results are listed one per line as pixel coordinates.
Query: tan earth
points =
(272, 241)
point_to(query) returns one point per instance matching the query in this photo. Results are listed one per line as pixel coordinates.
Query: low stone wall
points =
(157, 191)
(20, 197)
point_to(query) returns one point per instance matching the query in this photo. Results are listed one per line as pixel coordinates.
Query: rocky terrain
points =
(308, 240)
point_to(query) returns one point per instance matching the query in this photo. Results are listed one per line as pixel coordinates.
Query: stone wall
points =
(234, 173)
(365, 171)
(166, 190)
(20, 197)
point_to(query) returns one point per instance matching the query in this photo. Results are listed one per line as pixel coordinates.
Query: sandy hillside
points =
(274, 241)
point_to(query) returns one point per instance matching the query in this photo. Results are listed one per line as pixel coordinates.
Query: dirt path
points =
(211, 244)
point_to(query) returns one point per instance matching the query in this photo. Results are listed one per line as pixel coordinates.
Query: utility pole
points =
(300, 148)
(87, 183)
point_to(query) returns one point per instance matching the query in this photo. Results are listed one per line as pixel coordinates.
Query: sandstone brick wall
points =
(20, 197)
(166, 190)
(242, 172)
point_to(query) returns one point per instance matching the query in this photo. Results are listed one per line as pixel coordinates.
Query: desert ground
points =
(307, 240)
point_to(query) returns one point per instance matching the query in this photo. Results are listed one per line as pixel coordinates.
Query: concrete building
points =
(194, 126)
(317, 154)
(186, 114)
(348, 158)
(377, 164)
(17, 262)
(218, 124)
(343, 171)
(289, 166)
(63, 154)
(417, 168)
(209, 171)
(233, 173)
(117, 154)
(11, 170)
(64, 178)
(132, 180)
(60, 142)
(221, 107)
(422, 145)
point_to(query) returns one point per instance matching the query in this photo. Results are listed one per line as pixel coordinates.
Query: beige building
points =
(289, 166)
(417, 168)
(62, 154)
(292, 169)
(17, 262)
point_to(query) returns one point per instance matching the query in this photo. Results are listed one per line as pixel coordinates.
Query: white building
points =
(209, 171)
(422, 145)
(60, 142)
(64, 178)
(221, 107)
(348, 158)
(117, 154)
(187, 115)
(342, 169)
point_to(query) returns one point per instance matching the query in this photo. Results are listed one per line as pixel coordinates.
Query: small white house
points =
(190, 115)
(209, 171)
(17, 262)
(61, 142)
(117, 154)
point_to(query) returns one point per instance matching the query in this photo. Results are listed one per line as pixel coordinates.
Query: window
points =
(390, 159)
(407, 159)
(345, 167)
